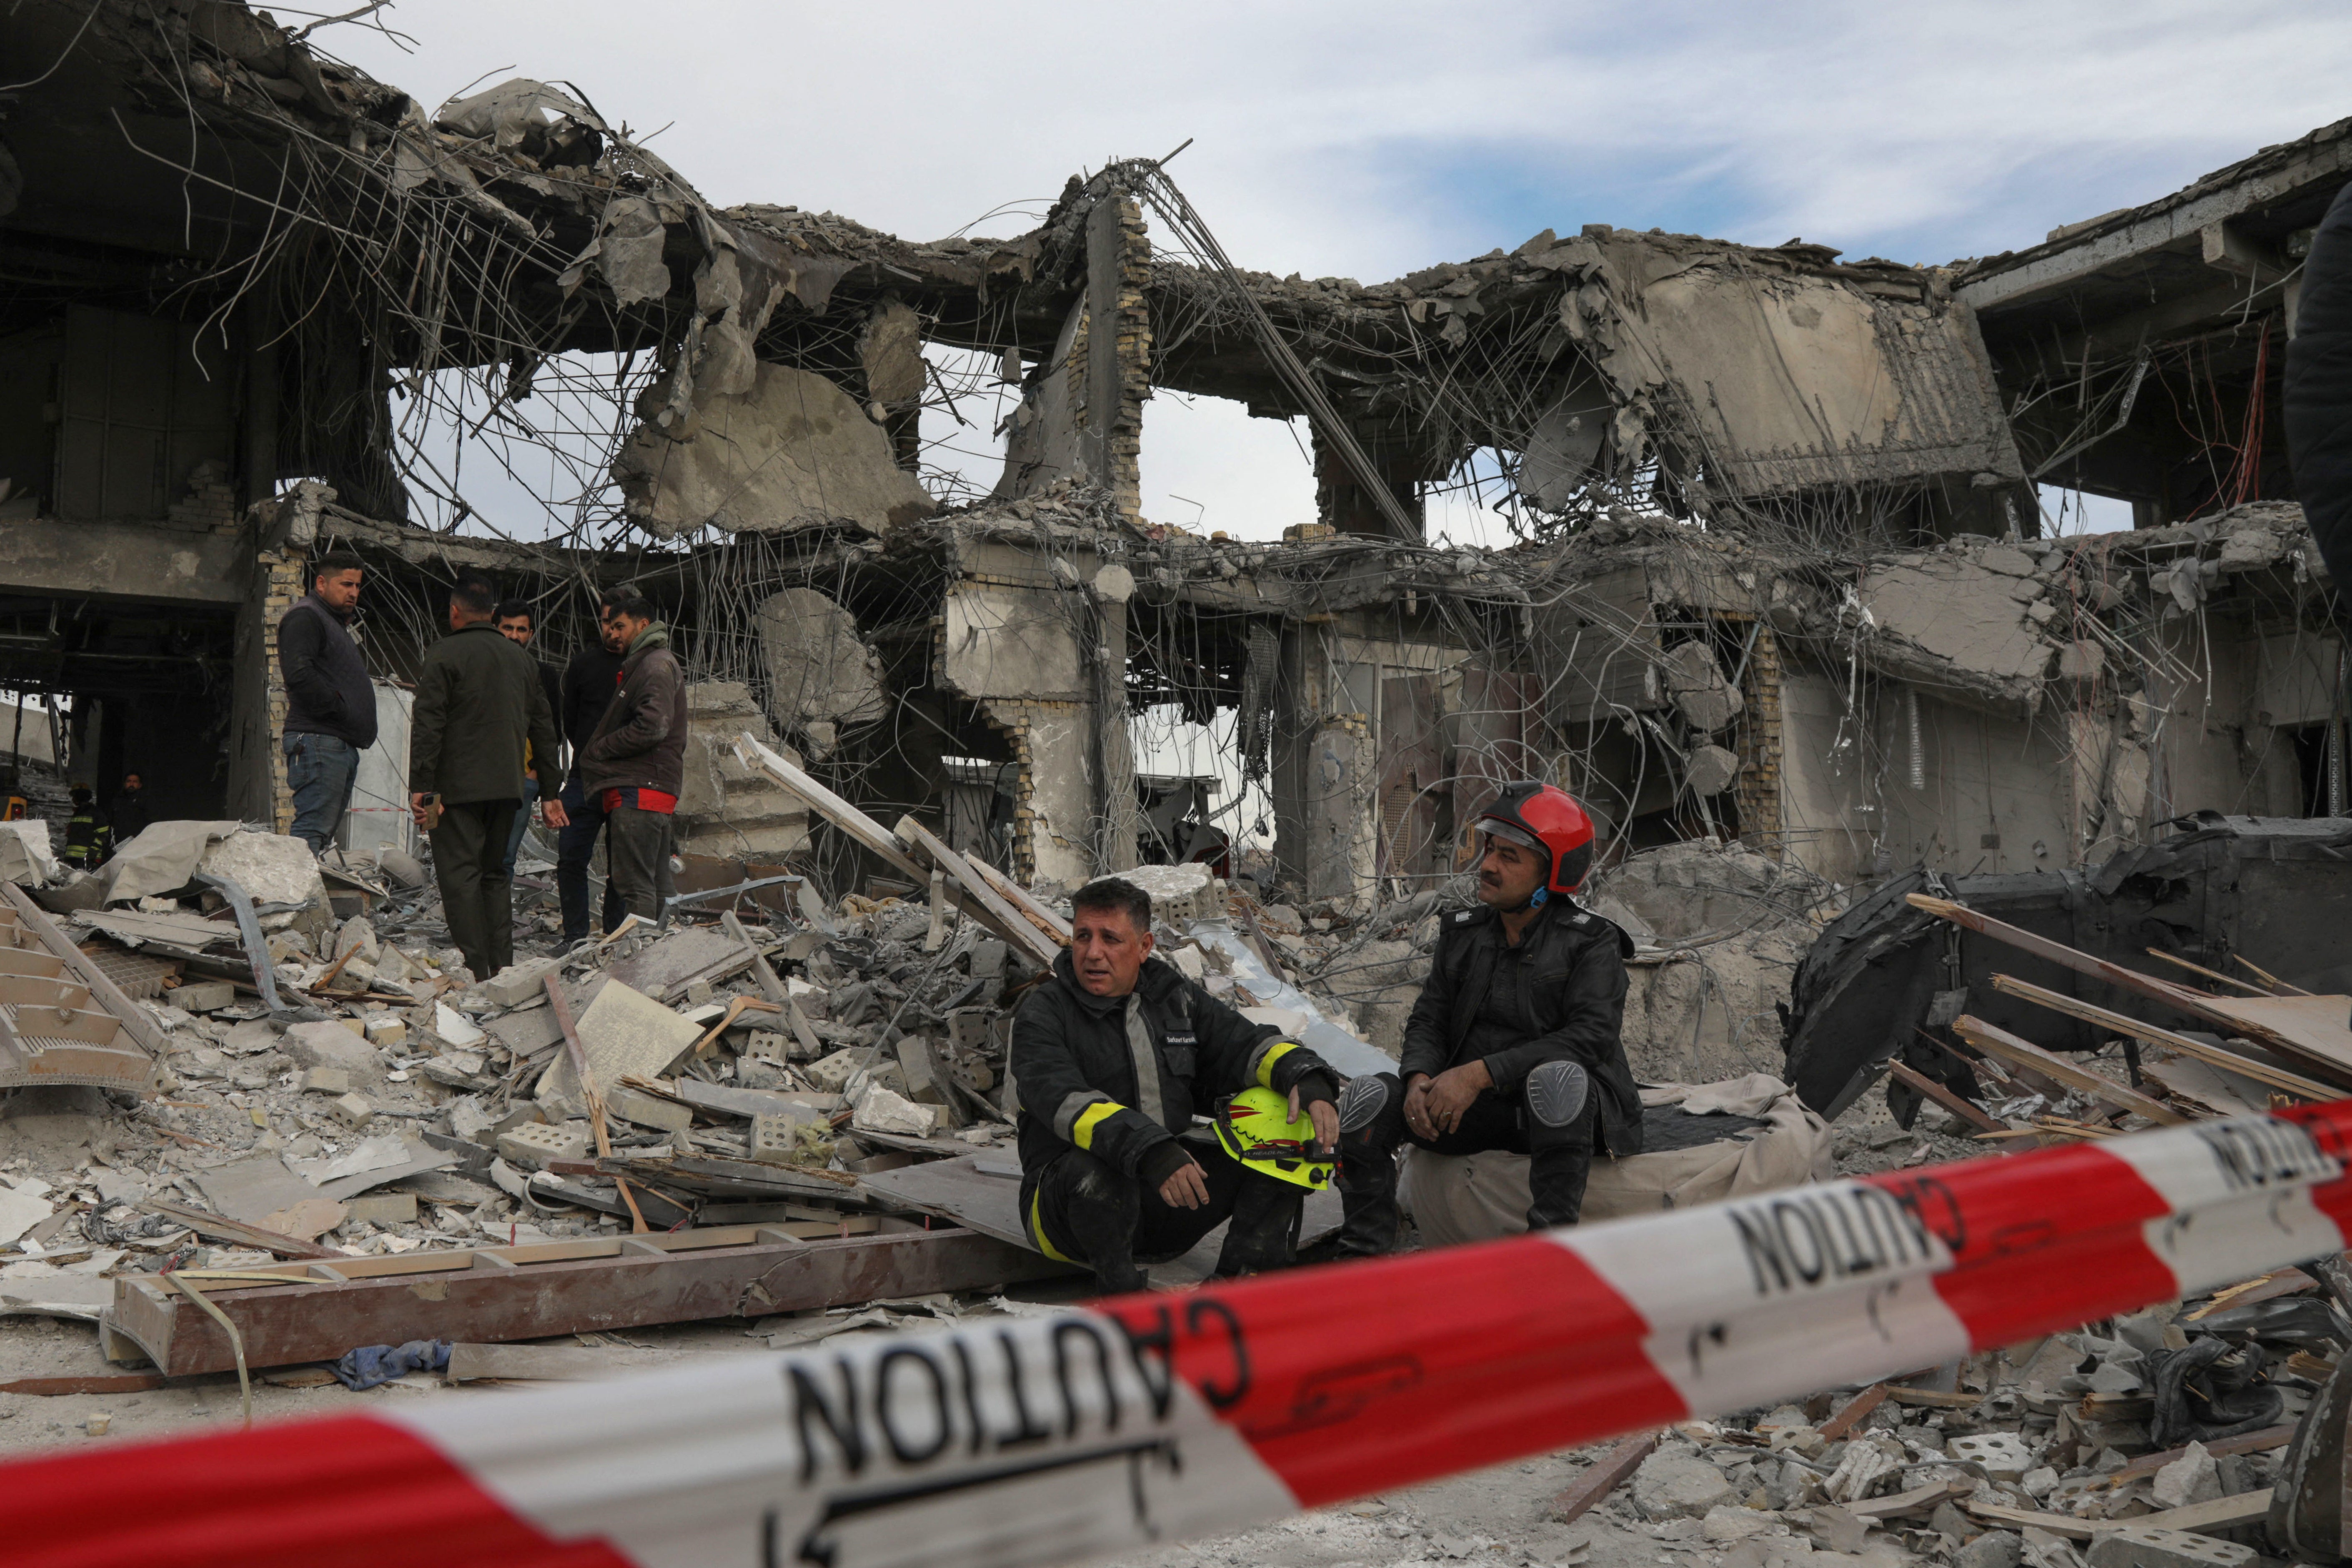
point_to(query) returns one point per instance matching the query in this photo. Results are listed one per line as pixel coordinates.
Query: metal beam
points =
(2046, 269)
(296, 1313)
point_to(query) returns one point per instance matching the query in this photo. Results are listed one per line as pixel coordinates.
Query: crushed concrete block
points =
(471, 1119)
(352, 1109)
(832, 1073)
(326, 1080)
(383, 1030)
(649, 1110)
(534, 1143)
(306, 1220)
(772, 1141)
(1696, 681)
(1710, 770)
(2147, 1546)
(1676, 1483)
(1726, 1526)
(272, 869)
(330, 1045)
(382, 1208)
(881, 1110)
(793, 450)
(357, 935)
(819, 670)
(987, 956)
(1179, 893)
(204, 996)
(518, 983)
(2195, 1477)
(926, 1082)
(2002, 1455)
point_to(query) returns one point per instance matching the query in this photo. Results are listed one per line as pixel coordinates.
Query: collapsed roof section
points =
(1715, 377)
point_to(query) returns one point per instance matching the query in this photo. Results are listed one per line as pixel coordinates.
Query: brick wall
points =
(1758, 788)
(282, 579)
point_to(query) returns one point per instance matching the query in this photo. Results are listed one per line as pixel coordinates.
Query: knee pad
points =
(1556, 1095)
(1361, 1102)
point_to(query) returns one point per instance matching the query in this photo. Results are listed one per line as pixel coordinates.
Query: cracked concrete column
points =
(1116, 812)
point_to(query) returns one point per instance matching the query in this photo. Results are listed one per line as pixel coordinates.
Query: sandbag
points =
(1455, 1199)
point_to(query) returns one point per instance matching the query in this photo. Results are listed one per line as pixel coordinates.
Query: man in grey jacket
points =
(330, 701)
(635, 764)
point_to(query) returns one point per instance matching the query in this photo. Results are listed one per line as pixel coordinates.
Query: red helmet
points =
(1540, 816)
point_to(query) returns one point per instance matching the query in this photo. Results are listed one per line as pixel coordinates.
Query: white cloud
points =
(1368, 139)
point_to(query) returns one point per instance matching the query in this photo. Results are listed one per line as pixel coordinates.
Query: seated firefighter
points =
(1111, 1056)
(1515, 1041)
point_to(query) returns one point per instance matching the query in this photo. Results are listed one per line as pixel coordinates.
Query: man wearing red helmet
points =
(1515, 1041)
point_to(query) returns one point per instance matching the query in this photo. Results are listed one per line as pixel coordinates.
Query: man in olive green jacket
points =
(479, 701)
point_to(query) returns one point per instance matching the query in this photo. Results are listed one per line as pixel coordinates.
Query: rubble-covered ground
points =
(436, 1100)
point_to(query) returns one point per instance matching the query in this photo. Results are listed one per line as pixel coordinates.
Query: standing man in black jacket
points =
(1517, 1040)
(2318, 396)
(589, 683)
(1111, 1056)
(480, 708)
(330, 701)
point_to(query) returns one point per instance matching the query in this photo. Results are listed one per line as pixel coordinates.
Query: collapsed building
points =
(1785, 608)
(1784, 575)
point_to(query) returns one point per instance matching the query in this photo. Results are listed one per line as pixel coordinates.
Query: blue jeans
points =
(321, 771)
(575, 848)
(522, 820)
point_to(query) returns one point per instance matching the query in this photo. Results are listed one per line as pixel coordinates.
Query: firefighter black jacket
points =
(1117, 1076)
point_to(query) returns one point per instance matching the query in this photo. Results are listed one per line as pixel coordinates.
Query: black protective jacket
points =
(327, 688)
(1573, 964)
(2318, 390)
(1120, 1076)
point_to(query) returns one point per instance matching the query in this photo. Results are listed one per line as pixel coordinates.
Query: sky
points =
(1370, 139)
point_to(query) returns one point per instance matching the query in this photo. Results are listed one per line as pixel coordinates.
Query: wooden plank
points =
(1022, 898)
(922, 842)
(2055, 1524)
(286, 1323)
(2220, 1513)
(2244, 1443)
(2213, 1056)
(1850, 1414)
(224, 1229)
(1608, 1472)
(1933, 1398)
(2196, 1004)
(1918, 1500)
(561, 1006)
(868, 833)
(2009, 1048)
(1974, 1115)
(94, 1383)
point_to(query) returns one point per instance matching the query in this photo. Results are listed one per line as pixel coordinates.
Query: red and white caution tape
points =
(1146, 1419)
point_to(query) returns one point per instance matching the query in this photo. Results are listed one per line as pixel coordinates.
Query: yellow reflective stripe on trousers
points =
(1082, 1131)
(1273, 1053)
(1037, 1227)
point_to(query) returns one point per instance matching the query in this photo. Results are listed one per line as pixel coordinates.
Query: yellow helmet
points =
(1255, 1128)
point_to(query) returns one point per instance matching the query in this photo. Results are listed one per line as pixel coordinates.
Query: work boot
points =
(1371, 1128)
(1263, 1233)
(1100, 1208)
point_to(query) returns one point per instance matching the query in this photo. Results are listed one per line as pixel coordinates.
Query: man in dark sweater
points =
(635, 764)
(1112, 1055)
(480, 708)
(589, 683)
(330, 701)
(518, 624)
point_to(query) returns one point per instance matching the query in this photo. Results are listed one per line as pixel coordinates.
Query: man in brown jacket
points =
(636, 762)
(478, 703)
